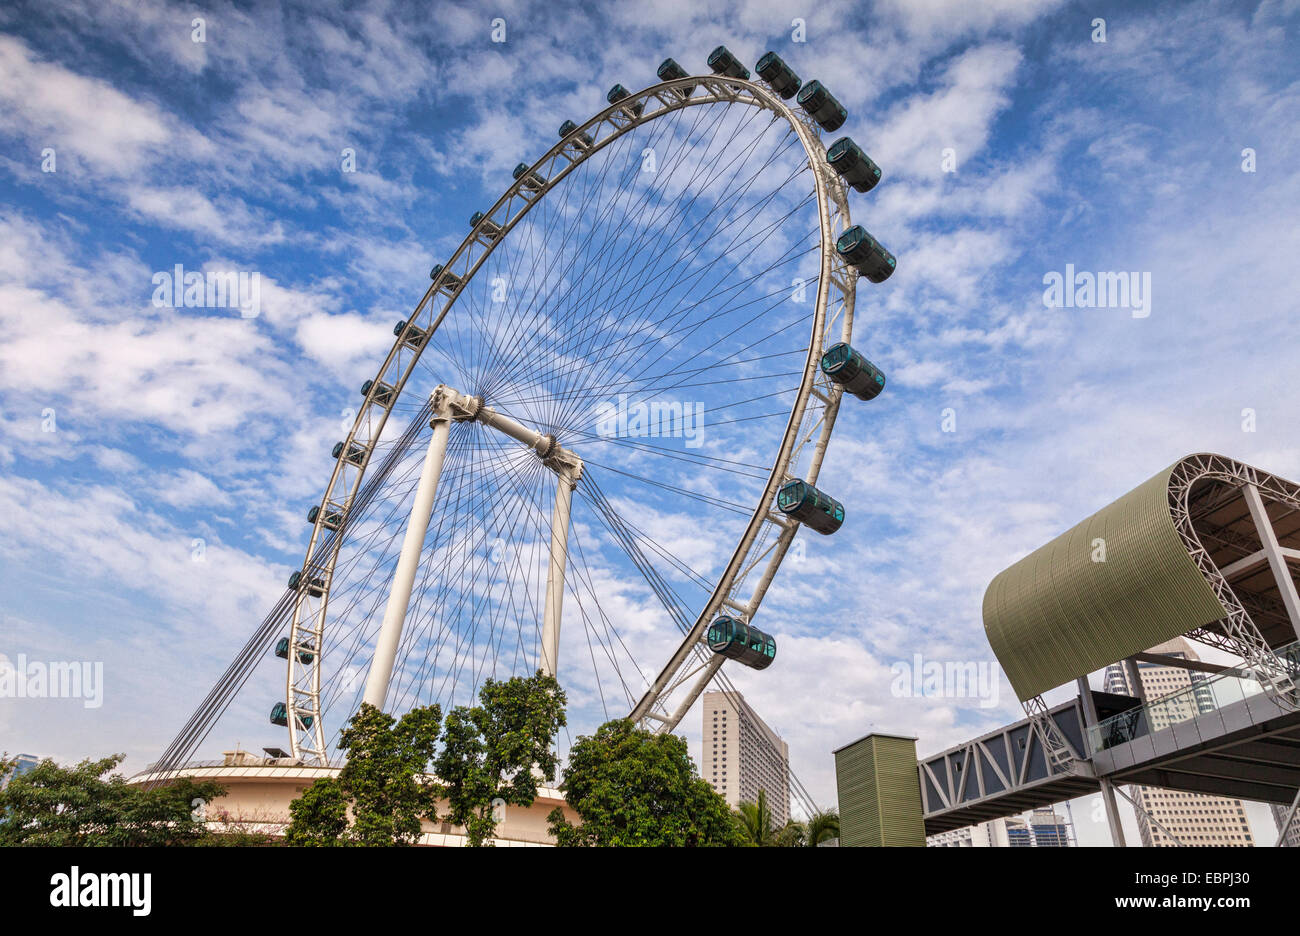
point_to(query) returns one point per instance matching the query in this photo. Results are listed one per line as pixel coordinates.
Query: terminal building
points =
(1204, 551)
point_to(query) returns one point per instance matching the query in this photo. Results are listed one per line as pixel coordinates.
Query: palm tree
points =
(822, 825)
(755, 821)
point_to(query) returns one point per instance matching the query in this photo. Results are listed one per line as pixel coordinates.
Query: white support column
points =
(1107, 788)
(1135, 680)
(390, 633)
(1088, 702)
(1276, 561)
(1112, 814)
(565, 480)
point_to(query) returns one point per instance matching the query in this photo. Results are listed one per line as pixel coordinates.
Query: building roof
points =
(1069, 607)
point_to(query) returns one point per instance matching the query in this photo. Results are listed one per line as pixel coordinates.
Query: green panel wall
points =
(879, 793)
(1057, 614)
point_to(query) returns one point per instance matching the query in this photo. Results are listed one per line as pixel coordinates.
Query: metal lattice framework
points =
(767, 536)
(1237, 632)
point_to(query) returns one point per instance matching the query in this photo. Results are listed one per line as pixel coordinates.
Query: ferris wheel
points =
(596, 436)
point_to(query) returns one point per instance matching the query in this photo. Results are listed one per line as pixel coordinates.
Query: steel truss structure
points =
(1237, 632)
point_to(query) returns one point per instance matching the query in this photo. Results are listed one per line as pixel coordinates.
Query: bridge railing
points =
(1205, 694)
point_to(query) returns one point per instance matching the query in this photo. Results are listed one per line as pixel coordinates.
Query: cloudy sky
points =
(156, 463)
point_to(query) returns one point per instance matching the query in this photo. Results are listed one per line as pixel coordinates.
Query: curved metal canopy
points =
(1142, 570)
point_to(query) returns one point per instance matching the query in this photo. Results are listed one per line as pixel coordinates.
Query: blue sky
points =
(176, 425)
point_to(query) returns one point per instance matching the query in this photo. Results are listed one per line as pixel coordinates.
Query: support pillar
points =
(1135, 680)
(565, 480)
(1276, 562)
(390, 632)
(1107, 788)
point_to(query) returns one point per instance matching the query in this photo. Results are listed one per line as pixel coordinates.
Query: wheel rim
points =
(471, 344)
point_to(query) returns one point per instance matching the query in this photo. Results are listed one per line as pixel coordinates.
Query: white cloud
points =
(84, 117)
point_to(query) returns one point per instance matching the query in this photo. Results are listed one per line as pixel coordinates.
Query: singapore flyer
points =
(646, 425)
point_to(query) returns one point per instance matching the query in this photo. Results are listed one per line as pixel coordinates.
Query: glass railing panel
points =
(1204, 695)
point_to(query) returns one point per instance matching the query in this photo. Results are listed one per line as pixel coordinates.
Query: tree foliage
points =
(500, 749)
(821, 825)
(384, 783)
(320, 816)
(755, 822)
(84, 805)
(632, 787)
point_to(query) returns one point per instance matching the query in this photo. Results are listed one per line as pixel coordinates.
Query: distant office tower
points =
(1008, 832)
(26, 763)
(742, 755)
(1017, 833)
(956, 838)
(1043, 829)
(1292, 839)
(1050, 830)
(1191, 818)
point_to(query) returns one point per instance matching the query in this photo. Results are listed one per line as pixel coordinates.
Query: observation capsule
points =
(865, 254)
(356, 454)
(669, 70)
(531, 180)
(282, 651)
(383, 393)
(618, 93)
(852, 371)
(724, 63)
(414, 337)
(738, 641)
(486, 226)
(316, 588)
(853, 165)
(444, 277)
(821, 106)
(582, 140)
(780, 76)
(333, 518)
(803, 502)
(280, 716)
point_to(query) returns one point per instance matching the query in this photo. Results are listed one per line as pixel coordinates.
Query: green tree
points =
(822, 825)
(320, 816)
(500, 749)
(636, 787)
(84, 805)
(384, 782)
(755, 822)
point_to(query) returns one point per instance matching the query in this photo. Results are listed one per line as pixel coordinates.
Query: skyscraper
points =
(1191, 818)
(1044, 829)
(742, 755)
(24, 763)
(1050, 829)
(1292, 839)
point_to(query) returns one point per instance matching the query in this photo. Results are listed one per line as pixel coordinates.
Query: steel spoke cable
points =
(682, 263)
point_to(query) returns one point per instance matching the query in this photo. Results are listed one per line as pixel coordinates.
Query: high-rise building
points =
(742, 755)
(1050, 830)
(1191, 818)
(24, 763)
(1043, 829)
(1292, 839)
